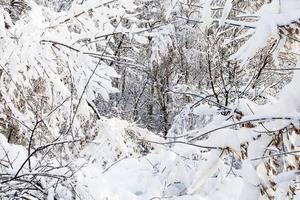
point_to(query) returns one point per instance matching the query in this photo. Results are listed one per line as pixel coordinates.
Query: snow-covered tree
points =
(215, 80)
(53, 66)
(247, 139)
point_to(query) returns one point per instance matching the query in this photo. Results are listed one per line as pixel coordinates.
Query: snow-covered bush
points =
(257, 143)
(53, 66)
(236, 137)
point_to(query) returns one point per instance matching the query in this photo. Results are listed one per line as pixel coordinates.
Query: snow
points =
(130, 180)
(149, 177)
(206, 172)
(204, 110)
(226, 10)
(267, 27)
(116, 159)
(206, 13)
(9, 152)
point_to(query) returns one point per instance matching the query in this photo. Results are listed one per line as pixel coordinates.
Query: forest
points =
(149, 99)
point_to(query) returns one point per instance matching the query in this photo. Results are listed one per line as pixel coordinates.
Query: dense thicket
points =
(159, 99)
